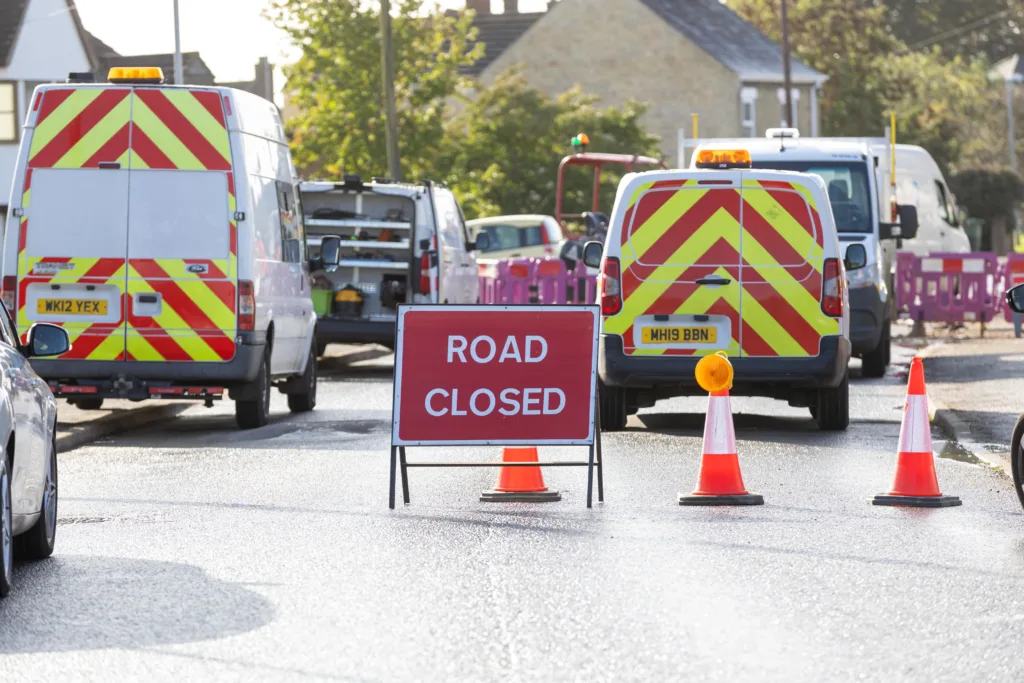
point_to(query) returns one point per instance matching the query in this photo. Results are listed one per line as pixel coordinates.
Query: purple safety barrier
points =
(1013, 274)
(948, 287)
(536, 281)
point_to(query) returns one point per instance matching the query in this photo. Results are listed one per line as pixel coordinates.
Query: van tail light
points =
(833, 286)
(424, 287)
(10, 286)
(609, 287)
(545, 239)
(246, 306)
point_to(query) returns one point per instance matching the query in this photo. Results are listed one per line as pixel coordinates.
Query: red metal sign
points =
(495, 375)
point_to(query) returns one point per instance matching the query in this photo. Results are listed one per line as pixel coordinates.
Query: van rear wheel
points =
(255, 413)
(832, 412)
(88, 403)
(613, 408)
(873, 363)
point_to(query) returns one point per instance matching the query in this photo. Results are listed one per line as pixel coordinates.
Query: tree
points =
(992, 195)
(957, 27)
(336, 82)
(504, 147)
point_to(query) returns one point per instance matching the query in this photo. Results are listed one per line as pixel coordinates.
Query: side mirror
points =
(330, 250)
(570, 253)
(481, 243)
(1015, 299)
(46, 340)
(592, 254)
(856, 257)
(908, 221)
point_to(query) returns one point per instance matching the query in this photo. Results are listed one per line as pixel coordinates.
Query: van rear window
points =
(848, 191)
(179, 214)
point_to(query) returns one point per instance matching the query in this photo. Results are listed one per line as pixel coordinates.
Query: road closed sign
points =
(495, 375)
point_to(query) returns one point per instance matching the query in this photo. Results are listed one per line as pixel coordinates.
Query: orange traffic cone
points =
(720, 481)
(914, 483)
(520, 484)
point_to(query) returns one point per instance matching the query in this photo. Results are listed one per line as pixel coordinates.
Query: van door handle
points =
(713, 281)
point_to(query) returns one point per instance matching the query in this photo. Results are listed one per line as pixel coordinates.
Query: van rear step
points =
(136, 392)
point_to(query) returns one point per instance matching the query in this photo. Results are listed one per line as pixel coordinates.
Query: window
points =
(450, 226)
(748, 109)
(291, 233)
(847, 185)
(946, 210)
(795, 95)
(533, 236)
(503, 237)
(8, 112)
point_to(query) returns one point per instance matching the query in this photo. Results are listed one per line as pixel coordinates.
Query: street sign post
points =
(498, 376)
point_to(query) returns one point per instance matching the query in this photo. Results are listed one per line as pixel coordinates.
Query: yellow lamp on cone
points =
(714, 373)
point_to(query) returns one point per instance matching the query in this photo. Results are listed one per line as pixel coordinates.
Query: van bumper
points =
(771, 377)
(332, 330)
(241, 369)
(867, 315)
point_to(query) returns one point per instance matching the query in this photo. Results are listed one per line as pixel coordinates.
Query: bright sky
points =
(231, 35)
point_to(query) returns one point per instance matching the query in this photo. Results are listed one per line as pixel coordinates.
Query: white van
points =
(159, 226)
(391, 243)
(856, 172)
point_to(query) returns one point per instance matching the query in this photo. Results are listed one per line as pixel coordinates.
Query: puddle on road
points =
(952, 450)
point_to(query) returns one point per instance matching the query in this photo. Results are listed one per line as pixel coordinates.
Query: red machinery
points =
(598, 161)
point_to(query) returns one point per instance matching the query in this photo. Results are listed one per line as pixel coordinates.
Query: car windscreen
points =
(847, 185)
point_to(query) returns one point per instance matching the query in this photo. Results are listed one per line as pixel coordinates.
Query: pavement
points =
(193, 551)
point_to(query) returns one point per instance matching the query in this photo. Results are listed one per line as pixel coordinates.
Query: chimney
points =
(481, 6)
(511, 6)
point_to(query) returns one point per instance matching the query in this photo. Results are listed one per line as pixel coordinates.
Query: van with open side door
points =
(391, 243)
(723, 258)
(159, 226)
(920, 217)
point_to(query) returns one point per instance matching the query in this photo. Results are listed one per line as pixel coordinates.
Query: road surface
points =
(192, 551)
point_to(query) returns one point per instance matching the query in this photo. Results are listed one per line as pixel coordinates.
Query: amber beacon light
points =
(136, 74)
(723, 158)
(714, 373)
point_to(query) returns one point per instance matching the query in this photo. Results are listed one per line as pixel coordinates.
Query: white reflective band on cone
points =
(719, 437)
(916, 434)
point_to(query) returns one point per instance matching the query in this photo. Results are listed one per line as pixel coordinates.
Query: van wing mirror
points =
(856, 257)
(482, 242)
(46, 340)
(908, 221)
(1015, 299)
(330, 251)
(592, 254)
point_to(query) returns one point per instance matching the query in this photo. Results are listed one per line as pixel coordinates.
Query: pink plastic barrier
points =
(1013, 274)
(536, 281)
(949, 287)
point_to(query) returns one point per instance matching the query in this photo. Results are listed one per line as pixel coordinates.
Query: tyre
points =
(305, 401)
(6, 531)
(1017, 459)
(613, 409)
(255, 413)
(875, 362)
(833, 410)
(88, 403)
(37, 543)
(321, 349)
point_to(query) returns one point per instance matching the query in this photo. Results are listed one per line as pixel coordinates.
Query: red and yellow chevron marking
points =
(677, 232)
(197, 317)
(143, 128)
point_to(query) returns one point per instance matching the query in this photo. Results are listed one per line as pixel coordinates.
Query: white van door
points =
(451, 246)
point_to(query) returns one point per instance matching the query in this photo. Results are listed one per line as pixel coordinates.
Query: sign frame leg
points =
(405, 474)
(394, 473)
(600, 454)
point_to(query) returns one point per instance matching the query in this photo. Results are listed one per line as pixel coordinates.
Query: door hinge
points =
(17, 213)
(239, 216)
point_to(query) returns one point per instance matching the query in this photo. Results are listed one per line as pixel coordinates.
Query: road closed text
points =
(510, 401)
(495, 374)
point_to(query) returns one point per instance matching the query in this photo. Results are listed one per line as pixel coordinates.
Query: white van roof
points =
(811, 149)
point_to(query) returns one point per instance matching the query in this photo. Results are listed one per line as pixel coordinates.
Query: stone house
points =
(679, 56)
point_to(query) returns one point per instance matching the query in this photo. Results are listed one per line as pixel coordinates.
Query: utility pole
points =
(786, 77)
(388, 76)
(1010, 83)
(179, 70)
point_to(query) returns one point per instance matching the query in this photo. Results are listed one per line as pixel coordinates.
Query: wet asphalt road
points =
(196, 552)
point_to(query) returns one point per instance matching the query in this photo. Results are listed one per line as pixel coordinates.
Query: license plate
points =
(72, 306)
(679, 335)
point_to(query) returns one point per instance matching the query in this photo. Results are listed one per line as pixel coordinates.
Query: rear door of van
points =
(127, 238)
(728, 261)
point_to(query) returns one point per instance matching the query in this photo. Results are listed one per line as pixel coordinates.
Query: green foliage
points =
(989, 194)
(336, 82)
(944, 105)
(505, 145)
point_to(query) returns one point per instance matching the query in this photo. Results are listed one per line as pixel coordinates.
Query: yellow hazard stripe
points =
(47, 129)
(164, 138)
(200, 117)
